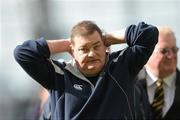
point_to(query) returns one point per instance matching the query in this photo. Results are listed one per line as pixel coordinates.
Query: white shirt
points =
(168, 86)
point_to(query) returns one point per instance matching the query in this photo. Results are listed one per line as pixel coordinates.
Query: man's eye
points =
(83, 49)
(175, 49)
(97, 46)
(163, 51)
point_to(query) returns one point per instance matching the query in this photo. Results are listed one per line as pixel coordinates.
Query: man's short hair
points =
(85, 28)
(166, 30)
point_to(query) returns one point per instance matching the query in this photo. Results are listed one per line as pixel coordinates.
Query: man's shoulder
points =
(178, 71)
(142, 73)
(118, 53)
(178, 77)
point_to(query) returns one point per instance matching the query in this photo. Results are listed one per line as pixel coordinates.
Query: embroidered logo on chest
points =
(78, 87)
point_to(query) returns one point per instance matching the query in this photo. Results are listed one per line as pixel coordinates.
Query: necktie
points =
(158, 102)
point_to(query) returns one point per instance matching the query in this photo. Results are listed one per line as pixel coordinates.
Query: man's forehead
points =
(88, 44)
(165, 44)
(167, 39)
(86, 40)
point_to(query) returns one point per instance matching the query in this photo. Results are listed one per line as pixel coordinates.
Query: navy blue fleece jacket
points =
(73, 96)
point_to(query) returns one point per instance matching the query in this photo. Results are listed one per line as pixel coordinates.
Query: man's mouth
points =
(92, 60)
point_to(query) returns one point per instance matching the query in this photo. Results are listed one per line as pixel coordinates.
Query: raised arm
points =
(57, 46)
(141, 40)
(115, 37)
(34, 58)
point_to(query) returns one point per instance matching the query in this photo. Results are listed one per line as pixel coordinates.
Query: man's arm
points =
(57, 46)
(33, 56)
(115, 37)
(141, 40)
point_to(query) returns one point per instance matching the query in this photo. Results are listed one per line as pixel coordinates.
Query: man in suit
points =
(163, 65)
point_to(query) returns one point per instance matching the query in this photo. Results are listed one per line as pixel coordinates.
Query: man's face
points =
(164, 57)
(89, 53)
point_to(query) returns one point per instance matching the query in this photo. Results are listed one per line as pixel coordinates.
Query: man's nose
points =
(171, 53)
(91, 53)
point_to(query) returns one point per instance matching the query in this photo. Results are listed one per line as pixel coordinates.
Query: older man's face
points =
(89, 53)
(164, 57)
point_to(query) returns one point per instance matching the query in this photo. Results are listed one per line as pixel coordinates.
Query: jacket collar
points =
(72, 67)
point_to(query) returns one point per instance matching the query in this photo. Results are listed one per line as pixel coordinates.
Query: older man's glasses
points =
(167, 51)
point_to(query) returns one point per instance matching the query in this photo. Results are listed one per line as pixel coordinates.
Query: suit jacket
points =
(174, 111)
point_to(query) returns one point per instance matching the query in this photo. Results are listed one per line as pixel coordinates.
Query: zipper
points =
(130, 110)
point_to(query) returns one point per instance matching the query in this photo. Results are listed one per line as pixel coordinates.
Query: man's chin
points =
(91, 72)
(92, 67)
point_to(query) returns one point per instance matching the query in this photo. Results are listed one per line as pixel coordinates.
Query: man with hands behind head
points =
(95, 84)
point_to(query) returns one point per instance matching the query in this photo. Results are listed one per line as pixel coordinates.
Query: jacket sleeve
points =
(141, 40)
(33, 57)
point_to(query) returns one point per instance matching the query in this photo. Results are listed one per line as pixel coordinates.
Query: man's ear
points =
(108, 49)
(71, 50)
(104, 38)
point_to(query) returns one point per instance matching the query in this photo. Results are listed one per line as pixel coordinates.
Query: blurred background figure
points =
(30, 19)
(161, 77)
(36, 109)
